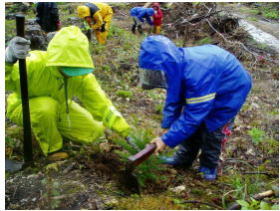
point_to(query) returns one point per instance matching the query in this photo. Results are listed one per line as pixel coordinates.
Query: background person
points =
(98, 16)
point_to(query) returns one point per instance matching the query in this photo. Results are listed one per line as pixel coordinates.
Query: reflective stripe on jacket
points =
(205, 84)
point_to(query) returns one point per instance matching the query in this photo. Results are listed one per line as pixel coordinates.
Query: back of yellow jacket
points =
(104, 14)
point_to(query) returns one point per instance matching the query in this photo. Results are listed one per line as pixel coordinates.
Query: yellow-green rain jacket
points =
(49, 120)
(104, 14)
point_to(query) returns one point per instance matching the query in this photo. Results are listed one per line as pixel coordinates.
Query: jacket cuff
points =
(167, 141)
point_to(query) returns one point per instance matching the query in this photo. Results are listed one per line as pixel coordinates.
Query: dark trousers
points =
(210, 144)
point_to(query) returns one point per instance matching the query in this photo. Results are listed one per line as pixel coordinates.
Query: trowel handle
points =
(142, 155)
(20, 25)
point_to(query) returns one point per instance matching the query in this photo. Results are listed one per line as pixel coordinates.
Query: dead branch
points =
(234, 43)
(199, 202)
(258, 196)
(197, 19)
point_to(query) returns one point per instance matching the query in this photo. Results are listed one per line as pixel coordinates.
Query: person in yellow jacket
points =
(99, 16)
(56, 76)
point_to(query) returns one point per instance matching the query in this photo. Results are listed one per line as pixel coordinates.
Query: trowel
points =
(130, 180)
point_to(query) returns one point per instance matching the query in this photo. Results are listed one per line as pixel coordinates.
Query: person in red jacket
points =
(157, 18)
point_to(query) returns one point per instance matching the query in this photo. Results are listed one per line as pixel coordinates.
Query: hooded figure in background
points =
(47, 16)
(99, 16)
(56, 76)
(206, 88)
(140, 15)
(157, 17)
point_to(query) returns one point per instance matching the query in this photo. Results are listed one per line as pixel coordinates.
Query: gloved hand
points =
(103, 29)
(17, 48)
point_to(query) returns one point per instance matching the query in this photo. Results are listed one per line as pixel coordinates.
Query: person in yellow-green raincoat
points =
(99, 16)
(62, 72)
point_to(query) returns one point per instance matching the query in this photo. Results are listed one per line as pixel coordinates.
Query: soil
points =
(94, 177)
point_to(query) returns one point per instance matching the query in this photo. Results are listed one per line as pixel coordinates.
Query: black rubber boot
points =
(140, 30)
(185, 155)
(133, 29)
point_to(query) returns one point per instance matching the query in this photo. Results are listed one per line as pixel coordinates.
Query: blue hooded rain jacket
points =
(143, 13)
(205, 84)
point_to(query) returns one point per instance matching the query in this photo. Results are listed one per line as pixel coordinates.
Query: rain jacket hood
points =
(205, 84)
(156, 5)
(159, 53)
(69, 48)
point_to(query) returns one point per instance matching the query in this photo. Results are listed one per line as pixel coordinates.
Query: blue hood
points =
(150, 11)
(159, 53)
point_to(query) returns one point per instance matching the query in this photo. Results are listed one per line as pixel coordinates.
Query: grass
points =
(252, 19)
(257, 135)
(206, 40)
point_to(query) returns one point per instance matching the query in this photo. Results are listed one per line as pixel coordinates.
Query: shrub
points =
(150, 169)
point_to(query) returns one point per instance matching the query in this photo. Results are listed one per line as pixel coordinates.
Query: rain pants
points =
(86, 120)
(103, 15)
(142, 13)
(205, 84)
(47, 16)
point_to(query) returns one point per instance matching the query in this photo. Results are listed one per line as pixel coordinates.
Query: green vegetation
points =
(149, 170)
(257, 135)
(252, 19)
(267, 10)
(256, 205)
(206, 40)
(124, 94)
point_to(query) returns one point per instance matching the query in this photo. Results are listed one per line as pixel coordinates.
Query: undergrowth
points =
(149, 170)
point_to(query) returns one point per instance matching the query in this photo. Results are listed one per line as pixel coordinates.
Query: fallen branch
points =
(231, 42)
(234, 43)
(197, 19)
(205, 203)
(258, 197)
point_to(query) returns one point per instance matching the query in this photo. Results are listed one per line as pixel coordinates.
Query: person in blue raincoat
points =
(206, 88)
(140, 15)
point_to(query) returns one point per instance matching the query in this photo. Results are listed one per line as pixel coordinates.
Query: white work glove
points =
(17, 49)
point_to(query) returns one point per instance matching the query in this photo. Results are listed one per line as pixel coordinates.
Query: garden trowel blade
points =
(129, 180)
